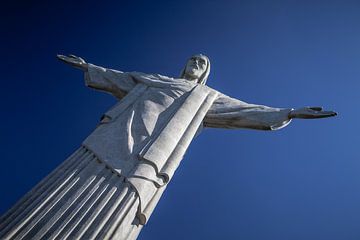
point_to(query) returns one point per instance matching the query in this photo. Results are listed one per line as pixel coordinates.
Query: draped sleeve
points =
(227, 112)
(112, 81)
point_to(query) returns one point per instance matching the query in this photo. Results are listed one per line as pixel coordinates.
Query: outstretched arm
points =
(227, 112)
(112, 81)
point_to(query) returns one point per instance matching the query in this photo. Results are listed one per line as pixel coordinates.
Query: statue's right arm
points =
(115, 82)
(112, 81)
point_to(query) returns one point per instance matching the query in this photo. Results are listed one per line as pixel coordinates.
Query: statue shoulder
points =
(153, 76)
(162, 77)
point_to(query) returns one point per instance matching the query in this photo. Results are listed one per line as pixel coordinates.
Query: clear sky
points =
(302, 182)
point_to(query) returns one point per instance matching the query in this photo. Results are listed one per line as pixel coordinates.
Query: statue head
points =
(197, 69)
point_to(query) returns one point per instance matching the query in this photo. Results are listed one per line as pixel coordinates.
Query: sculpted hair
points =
(205, 75)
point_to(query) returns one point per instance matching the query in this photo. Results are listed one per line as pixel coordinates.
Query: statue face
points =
(195, 67)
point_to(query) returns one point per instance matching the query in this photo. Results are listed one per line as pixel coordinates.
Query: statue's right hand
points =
(74, 61)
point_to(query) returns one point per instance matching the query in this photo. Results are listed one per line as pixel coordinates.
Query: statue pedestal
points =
(80, 199)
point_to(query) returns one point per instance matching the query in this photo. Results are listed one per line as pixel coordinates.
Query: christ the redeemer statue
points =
(109, 187)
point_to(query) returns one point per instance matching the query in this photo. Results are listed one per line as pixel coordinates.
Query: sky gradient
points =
(301, 182)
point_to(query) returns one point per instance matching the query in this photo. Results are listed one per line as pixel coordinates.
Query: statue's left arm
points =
(112, 81)
(109, 80)
(227, 112)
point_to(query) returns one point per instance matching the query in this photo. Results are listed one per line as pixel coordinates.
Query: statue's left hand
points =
(311, 112)
(74, 61)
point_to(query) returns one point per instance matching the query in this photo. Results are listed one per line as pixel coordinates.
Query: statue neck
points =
(191, 78)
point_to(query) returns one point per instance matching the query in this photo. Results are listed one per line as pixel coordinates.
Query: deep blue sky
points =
(302, 182)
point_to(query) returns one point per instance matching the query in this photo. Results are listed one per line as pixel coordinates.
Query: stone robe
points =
(145, 135)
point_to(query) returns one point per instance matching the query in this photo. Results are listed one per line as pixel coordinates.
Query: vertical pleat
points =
(116, 216)
(46, 199)
(86, 178)
(127, 226)
(72, 212)
(29, 197)
(113, 227)
(86, 209)
(81, 199)
(51, 197)
(107, 212)
(86, 225)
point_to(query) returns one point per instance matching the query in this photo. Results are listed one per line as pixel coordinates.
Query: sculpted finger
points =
(79, 59)
(63, 58)
(325, 114)
(331, 113)
(316, 108)
(73, 56)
